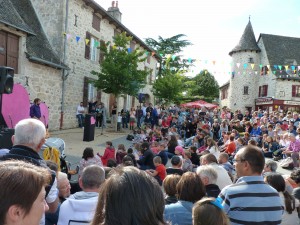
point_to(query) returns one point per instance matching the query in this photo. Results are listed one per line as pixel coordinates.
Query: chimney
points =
(114, 11)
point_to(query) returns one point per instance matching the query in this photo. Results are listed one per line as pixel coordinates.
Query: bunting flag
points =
(286, 67)
(129, 50)
(298, 67)
(87, 41)
(77, 39)
(238, 65)
(173, 57)
(245, 66)
(96, 44)
(274, 72)
(69, 36)
(214, 62)
(260, 66)
(153, 53)
(147, 53)
(252, 65)
(279, 67)
(189, 60)
(268, 66)
(293, 67)
(275, 66)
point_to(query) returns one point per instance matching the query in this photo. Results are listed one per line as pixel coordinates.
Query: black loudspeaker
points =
(89, 128)
(5, 138)
(6, 80)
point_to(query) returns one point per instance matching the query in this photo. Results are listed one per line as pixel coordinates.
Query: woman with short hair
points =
(22, 193)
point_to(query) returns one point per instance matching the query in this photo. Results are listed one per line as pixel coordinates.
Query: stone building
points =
(264, 73)
(45, 42)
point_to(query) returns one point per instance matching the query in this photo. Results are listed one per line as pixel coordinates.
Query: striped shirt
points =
(251, 201)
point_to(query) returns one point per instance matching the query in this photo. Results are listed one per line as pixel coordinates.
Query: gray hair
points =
(61, 176)
(272, 165)
(92, 176)
(209, 172)
(29, 132)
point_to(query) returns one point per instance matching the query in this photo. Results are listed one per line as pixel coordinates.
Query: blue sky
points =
(213, 26)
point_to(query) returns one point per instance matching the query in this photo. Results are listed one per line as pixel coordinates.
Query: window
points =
(96, 22)
(132, 46)
(89, 91)
(93, 51)
(263, 91)
(151, 77)
(264, 70)
(224, 93)
(149, 58)
(250, 60)
(101, 54)
(9, 50)
(246, 89)
(295, 90)
(116, 32)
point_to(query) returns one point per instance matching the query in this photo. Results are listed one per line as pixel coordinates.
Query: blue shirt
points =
(35, 111)
(179, 213)
(255, 132)
(251, 201)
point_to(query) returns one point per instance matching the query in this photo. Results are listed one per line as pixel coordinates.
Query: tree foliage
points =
(171, 48)
(169, 87)
(119, 72)
(203, 84)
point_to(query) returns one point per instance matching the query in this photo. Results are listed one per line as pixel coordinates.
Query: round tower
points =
(245, 72)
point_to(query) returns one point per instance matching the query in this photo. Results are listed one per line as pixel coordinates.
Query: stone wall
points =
(243, 77)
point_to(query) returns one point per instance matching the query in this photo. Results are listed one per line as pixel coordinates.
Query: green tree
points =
(119, 73)
(203, 84)
(171, 48)
(169, 87)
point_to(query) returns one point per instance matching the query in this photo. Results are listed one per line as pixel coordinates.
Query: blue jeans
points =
(80, 118)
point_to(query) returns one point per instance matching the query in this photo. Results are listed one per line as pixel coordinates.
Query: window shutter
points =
(101, 54)
(85, 91)
(87, 46)
(265, 90)
(96, 22)
(3, 48)
(293, 90)
(12, 51)
(259, 91)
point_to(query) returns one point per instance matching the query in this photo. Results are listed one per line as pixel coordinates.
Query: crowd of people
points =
(184, 166)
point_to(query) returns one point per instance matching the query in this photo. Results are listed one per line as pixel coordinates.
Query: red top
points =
(109, 153)
(161, 171)
(230, 148)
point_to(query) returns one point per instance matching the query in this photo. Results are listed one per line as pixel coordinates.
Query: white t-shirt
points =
(80, 110)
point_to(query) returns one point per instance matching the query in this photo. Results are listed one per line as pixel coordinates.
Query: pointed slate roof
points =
(247, 41)
(10, 16)
(21, 15)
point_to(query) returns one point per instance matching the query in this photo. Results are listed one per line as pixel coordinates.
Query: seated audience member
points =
(248, 191)
(162, 153)
(121, 152)
(187, 163)
(290, 215)
(194, 156)
(223, 177)
(270, 167)
(81, 205)
(295, 177)
(131, 155)
(209, 177)
(146, 157)
(239, 144)
(269, 147)
(22, 193)
(127, 161)
(160, 170)
(223, 161)
(231, 147)
(109, 153)
(176, 163)
(88, 158)
(252, 142)
(212, 147)
(189, 190)
(293, 149)
(169, 185)
(209, 211)
(141, 200)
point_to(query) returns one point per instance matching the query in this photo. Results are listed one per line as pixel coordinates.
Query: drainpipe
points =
(64, 72)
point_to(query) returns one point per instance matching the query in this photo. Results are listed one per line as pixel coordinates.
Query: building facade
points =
(56, 48)
(264, 73)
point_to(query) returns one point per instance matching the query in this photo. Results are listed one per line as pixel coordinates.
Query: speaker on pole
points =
(6, 80)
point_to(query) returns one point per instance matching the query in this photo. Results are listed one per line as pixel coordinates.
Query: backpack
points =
(286, 163)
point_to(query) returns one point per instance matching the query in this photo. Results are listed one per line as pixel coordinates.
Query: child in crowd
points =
(160, 170)
(155, 147)
(231, 147)
(162, 153)
(119, 121)
(194, 156)
(109, 153)
(187, 163)
(121, 152)
(179, 151)
(131, 155)
(209, 211)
